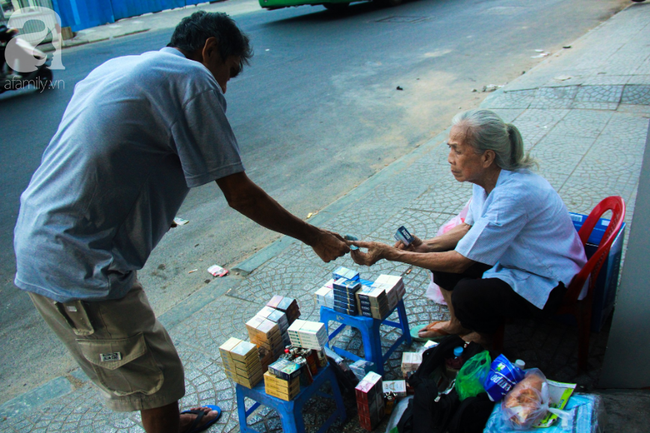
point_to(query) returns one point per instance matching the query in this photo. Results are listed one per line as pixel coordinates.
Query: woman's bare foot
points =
(188, 418)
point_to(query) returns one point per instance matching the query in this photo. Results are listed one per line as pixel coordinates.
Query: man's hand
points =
(376, 252)
(330, 246)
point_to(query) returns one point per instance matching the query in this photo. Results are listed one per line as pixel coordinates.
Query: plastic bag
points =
(503, 376)
(398, 411)
(528, 402)
(472, 375)
(433, 291)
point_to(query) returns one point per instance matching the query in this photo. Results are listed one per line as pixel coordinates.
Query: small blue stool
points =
(369, 328)
(290, 411)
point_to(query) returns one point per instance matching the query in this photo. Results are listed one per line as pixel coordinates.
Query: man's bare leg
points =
(168, 419)
(448, 327)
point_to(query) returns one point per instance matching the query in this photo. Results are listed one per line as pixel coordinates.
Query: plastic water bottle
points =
(454, 364)
(519, 370)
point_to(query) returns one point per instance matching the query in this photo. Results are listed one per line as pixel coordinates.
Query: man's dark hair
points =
(192, 32)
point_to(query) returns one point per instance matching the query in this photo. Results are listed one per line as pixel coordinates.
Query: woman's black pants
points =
(482, 305)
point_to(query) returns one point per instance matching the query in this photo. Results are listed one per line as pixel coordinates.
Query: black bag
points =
(346, 379)
(434, 357)
(438, 411)
(472, 414)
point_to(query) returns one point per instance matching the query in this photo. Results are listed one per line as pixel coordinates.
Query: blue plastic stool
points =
(369, 328)
(290, 411)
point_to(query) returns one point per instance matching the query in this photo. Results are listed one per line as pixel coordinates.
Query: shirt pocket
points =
(123, 365)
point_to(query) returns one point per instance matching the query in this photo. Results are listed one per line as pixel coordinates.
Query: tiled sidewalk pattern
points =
(588, 133)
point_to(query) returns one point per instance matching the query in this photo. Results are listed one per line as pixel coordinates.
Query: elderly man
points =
(138, 133)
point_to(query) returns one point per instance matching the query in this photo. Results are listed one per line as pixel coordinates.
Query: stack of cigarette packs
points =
(266, 334)
(373, 302)
(287, 305)
(282, 380)
(278, 317)
(242, 362)
(345, 301)
(394, 287)
(283, 389)
(370, 401)
(325, 295)
(309, 335)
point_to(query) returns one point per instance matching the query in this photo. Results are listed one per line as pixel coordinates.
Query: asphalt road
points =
(317, 113)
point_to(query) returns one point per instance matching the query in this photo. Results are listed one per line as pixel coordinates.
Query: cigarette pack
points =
(373, 302)
(343, 272)
(348, 311)
(394, 288)
(404, 236)
(264, 312)
(280, 318)
(265, 333)
(241, 361)
(398, 387)
(325, 297)
(344, 297)
(361, 368)
(370, 401)
(346, 286)
(287, 305)
(345, 301)
(410, 362)
(284, 369)
(274, 302)
(310, 335)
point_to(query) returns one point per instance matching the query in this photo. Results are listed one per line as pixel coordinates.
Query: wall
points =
(627, 360)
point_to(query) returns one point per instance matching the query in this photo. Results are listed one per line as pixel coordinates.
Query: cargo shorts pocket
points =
(123, 366)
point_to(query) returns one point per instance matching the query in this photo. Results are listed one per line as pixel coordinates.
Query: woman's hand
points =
(376, 252)
(417, 245)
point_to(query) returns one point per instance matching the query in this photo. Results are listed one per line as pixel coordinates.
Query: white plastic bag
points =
(398, 411)
(433, 291)
(528, 402)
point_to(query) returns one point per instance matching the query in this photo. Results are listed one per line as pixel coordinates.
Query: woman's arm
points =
(446, 261)
(445, 242)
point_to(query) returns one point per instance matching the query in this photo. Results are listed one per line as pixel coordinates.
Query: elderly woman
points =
(517, 250)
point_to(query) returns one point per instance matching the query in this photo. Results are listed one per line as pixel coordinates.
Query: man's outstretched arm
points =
(250, 200)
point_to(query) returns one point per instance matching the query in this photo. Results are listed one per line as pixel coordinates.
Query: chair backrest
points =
(595, 263)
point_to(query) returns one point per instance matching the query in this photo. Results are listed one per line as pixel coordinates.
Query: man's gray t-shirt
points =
(138, 132)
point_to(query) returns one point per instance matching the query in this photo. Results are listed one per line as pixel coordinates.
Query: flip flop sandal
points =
(194, 427)
(441, 334)
(415, 333)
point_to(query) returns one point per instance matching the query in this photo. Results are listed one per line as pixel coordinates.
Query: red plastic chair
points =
(581, 309)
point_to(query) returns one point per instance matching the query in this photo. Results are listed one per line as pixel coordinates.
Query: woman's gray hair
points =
(487, 131)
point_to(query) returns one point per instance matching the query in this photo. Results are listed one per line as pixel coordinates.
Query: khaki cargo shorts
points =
(121, 347)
